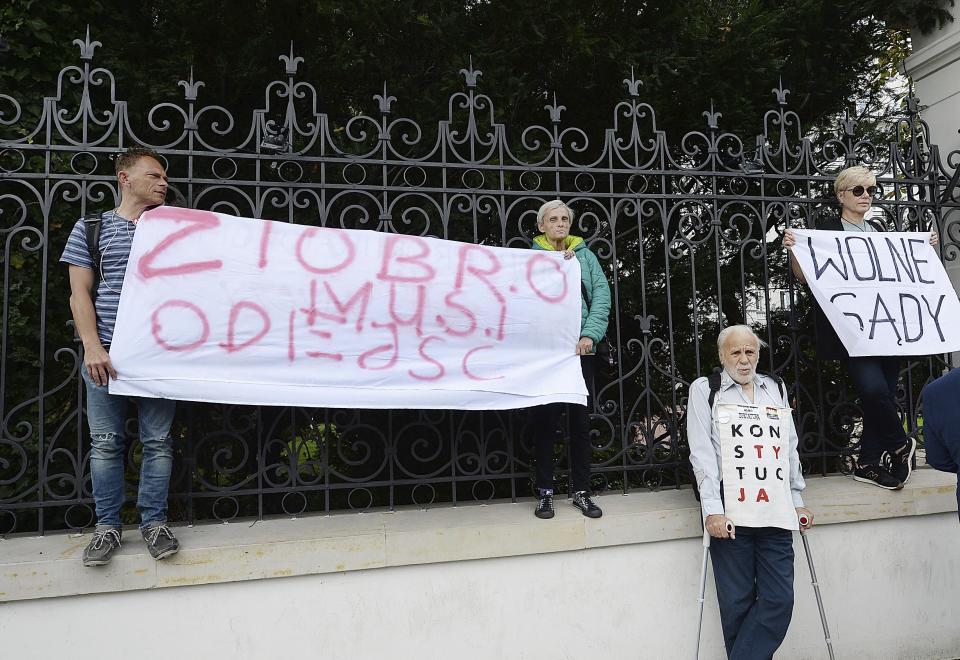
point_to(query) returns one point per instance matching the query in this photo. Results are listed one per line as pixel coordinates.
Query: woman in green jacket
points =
(554, 219)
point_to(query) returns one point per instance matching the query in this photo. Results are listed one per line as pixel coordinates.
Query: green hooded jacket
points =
(594, 324)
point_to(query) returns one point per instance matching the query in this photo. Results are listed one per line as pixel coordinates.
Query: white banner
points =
(885, 293)
(755, 463)
(236, 310)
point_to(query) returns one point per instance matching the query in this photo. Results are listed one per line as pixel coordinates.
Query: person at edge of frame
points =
(886, 452)
(941, 423)
(142, 180)
(752, 566)
(554, 219)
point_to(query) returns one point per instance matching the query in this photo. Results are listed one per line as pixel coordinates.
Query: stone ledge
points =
(49, 566)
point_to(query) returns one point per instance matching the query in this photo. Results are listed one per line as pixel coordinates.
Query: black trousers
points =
(875, 379)
(546, 418)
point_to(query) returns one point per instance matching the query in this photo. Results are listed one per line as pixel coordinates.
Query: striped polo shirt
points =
(116, 238)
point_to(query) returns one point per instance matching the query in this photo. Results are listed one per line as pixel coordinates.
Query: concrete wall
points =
(489, 582)
(890, 587)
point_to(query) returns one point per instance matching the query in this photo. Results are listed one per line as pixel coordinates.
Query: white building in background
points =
(756, 304)
(934, 67)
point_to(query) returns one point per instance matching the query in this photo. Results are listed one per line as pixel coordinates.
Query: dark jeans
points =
(754, 576)
(545, 420)
(875, 379)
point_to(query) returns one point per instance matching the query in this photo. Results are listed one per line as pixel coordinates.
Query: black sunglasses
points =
(858, 190)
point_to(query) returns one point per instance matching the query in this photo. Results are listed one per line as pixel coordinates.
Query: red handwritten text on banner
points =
(219, 308)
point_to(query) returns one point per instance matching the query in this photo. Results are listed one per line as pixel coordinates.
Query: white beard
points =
(738, 379)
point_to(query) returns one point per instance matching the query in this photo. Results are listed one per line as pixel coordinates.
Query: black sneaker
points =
(876, 475)
(581, 500)
(101, 547)
(544, 506)
(900, 462)
(160, 540)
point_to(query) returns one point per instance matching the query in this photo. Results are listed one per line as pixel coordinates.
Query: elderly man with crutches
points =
(743, 448)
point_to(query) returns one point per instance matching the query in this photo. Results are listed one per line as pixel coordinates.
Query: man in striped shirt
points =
(143, 184)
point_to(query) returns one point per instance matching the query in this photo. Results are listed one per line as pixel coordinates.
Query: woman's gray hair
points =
(546, 207)
(730, 329)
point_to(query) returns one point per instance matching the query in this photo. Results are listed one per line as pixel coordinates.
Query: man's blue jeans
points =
(754, 576)
(107, 416)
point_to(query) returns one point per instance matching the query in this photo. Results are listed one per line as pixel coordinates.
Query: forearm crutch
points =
(816, 585)
(703, 589)
(703, 583)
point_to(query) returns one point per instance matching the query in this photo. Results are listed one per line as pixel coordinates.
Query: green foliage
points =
(687, 52)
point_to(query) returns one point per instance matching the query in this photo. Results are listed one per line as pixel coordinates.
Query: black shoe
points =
(101, 547)
(900, 462)
(876, 475)
(581, 500)
(544, 506)
(160, 540)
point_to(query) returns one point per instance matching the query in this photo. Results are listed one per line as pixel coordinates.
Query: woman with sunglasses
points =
(886, 453)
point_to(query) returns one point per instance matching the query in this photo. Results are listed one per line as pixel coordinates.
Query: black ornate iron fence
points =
(689, 233)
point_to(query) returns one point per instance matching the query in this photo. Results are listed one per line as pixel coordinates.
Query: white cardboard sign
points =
(885, 293)
(755, 462)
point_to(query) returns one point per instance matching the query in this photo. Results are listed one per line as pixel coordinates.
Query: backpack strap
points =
(91, 226)
(714, 381)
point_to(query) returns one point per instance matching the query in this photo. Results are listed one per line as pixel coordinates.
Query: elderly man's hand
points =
(568, 254)
(934, 238)
(720, 527)
(803, 513)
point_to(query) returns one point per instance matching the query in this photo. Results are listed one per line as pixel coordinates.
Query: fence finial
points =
(291, 61)
(384, 101)
(713, 117)
(86, 46)
(633, 84)
(190, 87)
(781, 93)
(471, 74)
